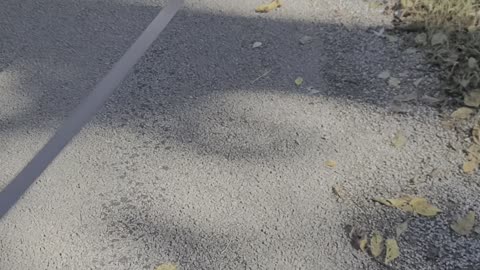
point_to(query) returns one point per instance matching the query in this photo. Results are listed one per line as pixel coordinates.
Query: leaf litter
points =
(399, 140)
(393, 251)
(416, 205)
(268, 7)
(298, 81)
(462, 113)
(401, 228)
(167, 266)
(376, 242)
(465, 224)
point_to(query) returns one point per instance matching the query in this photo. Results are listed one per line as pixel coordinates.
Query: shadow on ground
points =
(199, 58)
(195, 89)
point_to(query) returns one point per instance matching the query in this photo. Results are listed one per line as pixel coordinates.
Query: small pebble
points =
(257, 44)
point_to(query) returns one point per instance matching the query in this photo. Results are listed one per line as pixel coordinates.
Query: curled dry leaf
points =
(399, 140)
(339, 190)
(167, 266)
(393, 251)
(331, 163)
(462, 113)
(476, 133)
(376, 244)
(464, 225)
(358, 239)
(298, 81)
(269, 7)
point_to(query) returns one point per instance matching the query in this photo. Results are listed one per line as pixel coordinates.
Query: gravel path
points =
(196, 160)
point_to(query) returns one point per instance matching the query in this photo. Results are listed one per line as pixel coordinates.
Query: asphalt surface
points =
(196, 160)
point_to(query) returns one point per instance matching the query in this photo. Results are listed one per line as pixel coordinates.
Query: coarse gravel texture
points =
(200, 160)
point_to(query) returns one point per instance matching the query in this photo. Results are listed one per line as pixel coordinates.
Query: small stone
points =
(410, 51)
(394, 82)
(257, 44)
(305, 40)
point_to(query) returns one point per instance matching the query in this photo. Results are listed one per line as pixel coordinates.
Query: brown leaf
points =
(268, 7)
(358, 239)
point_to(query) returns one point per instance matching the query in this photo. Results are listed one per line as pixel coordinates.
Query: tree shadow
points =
(188, 85)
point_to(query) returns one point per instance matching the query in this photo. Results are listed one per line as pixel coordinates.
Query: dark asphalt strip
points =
(86, 110)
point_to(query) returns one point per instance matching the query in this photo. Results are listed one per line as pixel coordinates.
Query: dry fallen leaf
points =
(399, 140)
(363, 244)
(400, 203)
(474, 151)
(423, 208)
(358, 239)
(167, 266)
(472, 98)
(269, 7)
(393, 251)
(339, 190)
(476, 133)
(376, 242)
(298, 81)
(401, 228)
(462, 113)
(331, 163)
(470, 166)
(464, 225)
(408, 204)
